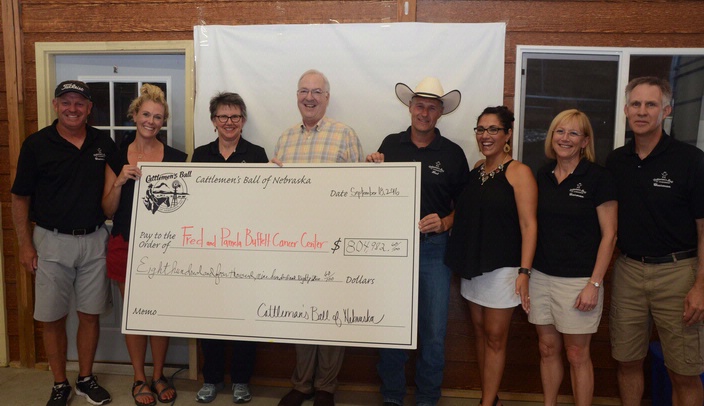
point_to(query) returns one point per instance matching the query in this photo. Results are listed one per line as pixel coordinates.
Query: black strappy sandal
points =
(142, 392)
(159, 393)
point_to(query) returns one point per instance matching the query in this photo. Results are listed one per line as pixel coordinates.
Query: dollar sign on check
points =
(337, 245)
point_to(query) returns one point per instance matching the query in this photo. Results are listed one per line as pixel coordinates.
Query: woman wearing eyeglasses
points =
(493, 242)
(577, 215)
(149, 112)
(228, 113)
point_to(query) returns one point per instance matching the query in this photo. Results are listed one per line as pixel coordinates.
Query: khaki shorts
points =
(644, 294)
(70, 266)
(552, 301)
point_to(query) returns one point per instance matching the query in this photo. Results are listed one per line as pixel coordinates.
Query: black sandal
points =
(159, 393)
(496, 401)
(143, 391)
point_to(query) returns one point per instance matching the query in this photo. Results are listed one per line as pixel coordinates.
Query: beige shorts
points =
(552, 301)
(644, 294)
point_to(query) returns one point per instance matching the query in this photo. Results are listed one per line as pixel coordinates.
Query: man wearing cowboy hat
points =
(444, 173)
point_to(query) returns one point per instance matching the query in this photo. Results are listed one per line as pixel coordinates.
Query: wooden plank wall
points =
(631, 23)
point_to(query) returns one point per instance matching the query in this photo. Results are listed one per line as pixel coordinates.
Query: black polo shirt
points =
(65, 183)
(568, 225)
(659, 197)
(444, 169)
(246, 152)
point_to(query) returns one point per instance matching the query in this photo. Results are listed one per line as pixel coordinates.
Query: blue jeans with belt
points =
(433, 302)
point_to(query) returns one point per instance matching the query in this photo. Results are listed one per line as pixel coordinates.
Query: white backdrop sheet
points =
(363, 63)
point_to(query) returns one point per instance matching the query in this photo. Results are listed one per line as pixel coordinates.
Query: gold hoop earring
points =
(507, 148)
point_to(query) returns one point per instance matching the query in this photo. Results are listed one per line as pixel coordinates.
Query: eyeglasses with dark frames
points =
(491, 130)
(236, 118)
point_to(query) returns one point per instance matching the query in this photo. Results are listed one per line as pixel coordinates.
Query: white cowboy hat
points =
(429, 87)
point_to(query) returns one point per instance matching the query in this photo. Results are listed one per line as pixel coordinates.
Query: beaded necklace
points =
(483, 176)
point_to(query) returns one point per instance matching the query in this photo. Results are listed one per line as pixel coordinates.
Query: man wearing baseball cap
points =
(444, 173)
(58, 189)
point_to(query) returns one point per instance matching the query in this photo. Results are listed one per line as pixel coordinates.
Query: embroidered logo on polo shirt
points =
(436, 169)
(663, 181)
(578, 191)
(166, 192)
(99, 155)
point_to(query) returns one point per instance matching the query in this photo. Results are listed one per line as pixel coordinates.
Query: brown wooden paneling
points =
(182, 16)
(8, 249)
(690, 40)
(3, 140)
(570, 16)
(275, 360)
(10, 271)
(3, 114)
(362, 367)
(581, 23)
(7, 218)
(8, 286)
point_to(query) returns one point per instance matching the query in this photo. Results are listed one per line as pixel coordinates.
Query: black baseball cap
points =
(75, 86)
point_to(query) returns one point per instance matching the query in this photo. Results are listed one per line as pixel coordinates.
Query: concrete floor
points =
(22, 386)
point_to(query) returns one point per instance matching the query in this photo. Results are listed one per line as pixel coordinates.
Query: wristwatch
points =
(524, 271)
(596, 284)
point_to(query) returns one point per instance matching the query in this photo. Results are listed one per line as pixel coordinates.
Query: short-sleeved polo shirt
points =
(444, 169)
(65, 183)
(660, 197)
(568, 225)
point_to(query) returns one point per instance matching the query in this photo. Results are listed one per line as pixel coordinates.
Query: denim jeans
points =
(433, 302)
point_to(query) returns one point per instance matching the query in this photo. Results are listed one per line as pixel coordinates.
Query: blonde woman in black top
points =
(577, 212)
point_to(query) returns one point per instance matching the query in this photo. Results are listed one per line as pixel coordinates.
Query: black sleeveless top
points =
(486, 234)
(122, 219)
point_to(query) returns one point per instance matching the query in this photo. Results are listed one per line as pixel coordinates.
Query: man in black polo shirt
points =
(444, 173)
(59, 185)
(660, 275)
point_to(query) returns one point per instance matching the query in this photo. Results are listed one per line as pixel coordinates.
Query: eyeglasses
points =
(316, 93)
(491, 130)
(235, 118)
(571, 134)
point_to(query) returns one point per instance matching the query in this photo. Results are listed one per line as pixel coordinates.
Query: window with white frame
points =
(551, 79)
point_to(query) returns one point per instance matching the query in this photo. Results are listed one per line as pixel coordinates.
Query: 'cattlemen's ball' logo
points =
(166, 192)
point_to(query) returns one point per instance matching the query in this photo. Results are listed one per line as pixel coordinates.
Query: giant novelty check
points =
(305, 253)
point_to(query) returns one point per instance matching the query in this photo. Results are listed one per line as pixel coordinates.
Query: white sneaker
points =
(208, 392)
(241, 393)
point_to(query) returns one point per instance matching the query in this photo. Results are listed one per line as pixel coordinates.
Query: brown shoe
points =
(294, 398)
(323, 398)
